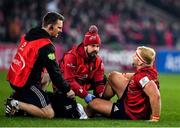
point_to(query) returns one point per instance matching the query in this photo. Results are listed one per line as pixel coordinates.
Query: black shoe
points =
(10, 109)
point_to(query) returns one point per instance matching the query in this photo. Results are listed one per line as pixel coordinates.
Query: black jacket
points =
(44, 62)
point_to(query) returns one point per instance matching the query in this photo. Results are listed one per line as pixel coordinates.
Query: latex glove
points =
(89, 97)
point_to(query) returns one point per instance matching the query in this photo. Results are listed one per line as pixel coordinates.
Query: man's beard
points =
(92, 55)
(54, 36)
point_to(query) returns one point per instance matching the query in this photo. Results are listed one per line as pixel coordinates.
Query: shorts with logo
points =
(118, 110)
(32, 95)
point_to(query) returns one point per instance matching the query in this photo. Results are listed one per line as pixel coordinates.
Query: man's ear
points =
(50, 27)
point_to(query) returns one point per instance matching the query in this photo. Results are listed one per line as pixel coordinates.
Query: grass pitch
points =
(170, 115)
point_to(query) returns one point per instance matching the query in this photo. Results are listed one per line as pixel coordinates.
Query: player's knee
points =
(49, 113)
(112, 75)
(94, 104)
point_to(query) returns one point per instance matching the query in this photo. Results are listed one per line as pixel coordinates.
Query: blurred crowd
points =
(120, 22)
(170, 6)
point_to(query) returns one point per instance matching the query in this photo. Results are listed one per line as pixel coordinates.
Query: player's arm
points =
(154, 97)
(47, 54)
(127, 76)
(99, 80)
(69, 71)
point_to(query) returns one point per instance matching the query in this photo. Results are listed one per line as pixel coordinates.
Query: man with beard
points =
(36, 52)
(83, 68)
(138, 93)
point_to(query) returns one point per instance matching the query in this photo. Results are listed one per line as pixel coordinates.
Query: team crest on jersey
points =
(80, 90)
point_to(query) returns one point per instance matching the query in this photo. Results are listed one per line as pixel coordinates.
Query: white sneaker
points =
(12, 106)
(15, 103)
(81, 111)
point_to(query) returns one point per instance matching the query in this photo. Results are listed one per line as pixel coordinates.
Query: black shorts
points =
(63, 106)
(31, 95)
(118, 110)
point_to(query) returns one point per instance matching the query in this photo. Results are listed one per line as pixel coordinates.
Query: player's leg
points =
(118, 82)
(108, 91)
(107, 108)
(33, 101)
(46, 112)
(99, 106)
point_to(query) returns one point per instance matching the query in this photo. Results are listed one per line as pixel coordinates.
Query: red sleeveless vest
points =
(23, 62)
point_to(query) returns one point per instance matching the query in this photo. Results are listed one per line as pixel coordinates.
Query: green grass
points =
(170, 115)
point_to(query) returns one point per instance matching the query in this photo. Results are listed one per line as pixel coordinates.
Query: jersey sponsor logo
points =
(18, 63)
(51, 56)
(144, 81)
(68, 107)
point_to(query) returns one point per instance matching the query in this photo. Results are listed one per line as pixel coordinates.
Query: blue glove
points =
(89, 98)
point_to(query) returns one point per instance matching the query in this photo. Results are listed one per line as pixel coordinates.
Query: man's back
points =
(26, 60)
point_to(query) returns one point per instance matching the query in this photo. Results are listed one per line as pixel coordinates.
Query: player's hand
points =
(71, 94)
(89, 97)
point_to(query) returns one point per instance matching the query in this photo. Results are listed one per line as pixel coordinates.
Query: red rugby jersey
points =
(136, 102)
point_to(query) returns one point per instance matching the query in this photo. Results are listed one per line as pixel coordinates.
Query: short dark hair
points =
(51, 18)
